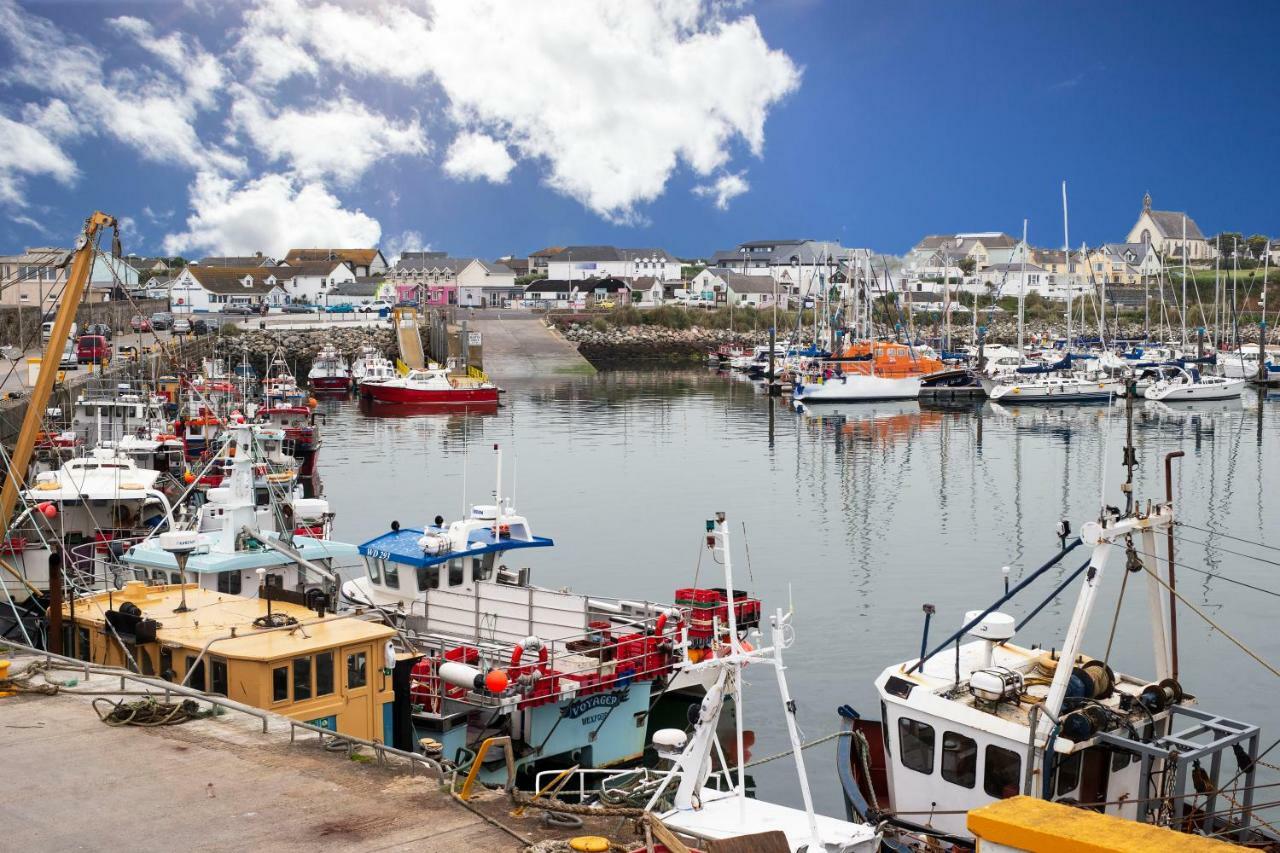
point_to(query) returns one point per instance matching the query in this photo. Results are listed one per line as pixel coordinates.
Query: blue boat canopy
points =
(401, 546)
(1047, 368)
(150, 554)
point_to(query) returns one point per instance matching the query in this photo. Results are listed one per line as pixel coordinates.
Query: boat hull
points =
(1077, 392)
(856, 388)
(382, 392)
(330, 383)
(1228, 390)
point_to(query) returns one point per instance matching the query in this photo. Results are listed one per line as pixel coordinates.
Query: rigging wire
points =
(1227, 536)
(1162, 559)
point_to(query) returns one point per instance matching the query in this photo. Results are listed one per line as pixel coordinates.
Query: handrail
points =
(169, 687)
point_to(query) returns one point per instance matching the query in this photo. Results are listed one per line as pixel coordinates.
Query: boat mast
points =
(1022, 291)
(1066, 256)
(1183, 312)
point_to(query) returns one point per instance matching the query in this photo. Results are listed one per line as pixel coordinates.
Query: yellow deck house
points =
(330, 671)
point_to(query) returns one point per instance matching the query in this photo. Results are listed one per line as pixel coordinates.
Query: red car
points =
(140, 323)
(92, 349)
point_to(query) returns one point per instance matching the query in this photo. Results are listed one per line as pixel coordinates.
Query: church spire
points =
(1146, 203)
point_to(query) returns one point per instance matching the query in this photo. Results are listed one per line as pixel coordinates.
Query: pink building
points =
(426, 278)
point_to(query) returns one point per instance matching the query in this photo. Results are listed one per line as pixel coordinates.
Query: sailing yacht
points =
(1186, 384)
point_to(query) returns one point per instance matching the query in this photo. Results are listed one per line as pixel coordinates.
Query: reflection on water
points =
(856, 515)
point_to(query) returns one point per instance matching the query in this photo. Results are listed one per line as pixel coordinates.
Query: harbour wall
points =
(299, 347)
(20, 326)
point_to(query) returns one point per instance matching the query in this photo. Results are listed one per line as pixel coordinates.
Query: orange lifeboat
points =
(893, 360)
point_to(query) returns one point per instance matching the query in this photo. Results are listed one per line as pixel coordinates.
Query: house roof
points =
(1139, 250)
(358, 257)
(742, 282)
(549, 285)
(1016, 266)
(611, 285)
(548, 252)
(494, 267)
(519, 266)
(239, 261)
(308, 268)
(1169, 224)
(362, 286)
(432, 261)
(611, 253)
(781, 252)
(38, 256)
(230, 280)
(962, 243)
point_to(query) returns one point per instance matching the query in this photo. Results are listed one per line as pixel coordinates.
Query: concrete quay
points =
(217, 783)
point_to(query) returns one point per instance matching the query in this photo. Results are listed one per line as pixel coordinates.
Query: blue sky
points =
(228, 127)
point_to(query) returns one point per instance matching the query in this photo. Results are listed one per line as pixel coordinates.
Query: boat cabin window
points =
(82, 643)
(196, 679)
(884, 728)
(428, 577)
(479, 570)
(1001, 776)
(959, 759)
(175, 578)
(218, 676)
(280, 684)
(166, 665)
(229, 582)
(301, 679)
(145, 665)
(391, 575)
(1068, 774)
(262, 496)
(324, 673)
(356, 676)
(374, 566)
(1120, 759)
(916, 741)
(455, 572)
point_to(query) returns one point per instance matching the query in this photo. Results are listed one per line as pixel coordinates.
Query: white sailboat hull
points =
(1213, 388)
(1055, 391)
(853, 388)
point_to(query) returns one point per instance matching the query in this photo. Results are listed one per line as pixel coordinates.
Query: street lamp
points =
(180, 543)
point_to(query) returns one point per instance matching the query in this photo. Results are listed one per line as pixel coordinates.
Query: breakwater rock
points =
(624, 344)
(300, 346)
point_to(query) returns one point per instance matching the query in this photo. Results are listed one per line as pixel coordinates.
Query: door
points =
(357, 675)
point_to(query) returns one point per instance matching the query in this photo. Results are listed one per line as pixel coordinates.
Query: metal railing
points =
(603, 775)
(169, 689)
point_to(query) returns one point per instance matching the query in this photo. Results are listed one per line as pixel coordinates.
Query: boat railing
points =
(589, 781)
(328, 737)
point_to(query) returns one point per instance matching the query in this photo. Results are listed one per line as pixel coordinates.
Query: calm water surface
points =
(856, 517)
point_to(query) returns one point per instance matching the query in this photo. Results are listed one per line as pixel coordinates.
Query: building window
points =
(229, 582)
(218, 676)
(915, 745)
(959, 759)
(301, 679)
(280, 684)
(1001, 776)
(356, 674)
(324, 673)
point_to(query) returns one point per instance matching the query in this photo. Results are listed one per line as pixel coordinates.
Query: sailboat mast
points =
(1183, 312)
(1066, 256)
(1022, 290)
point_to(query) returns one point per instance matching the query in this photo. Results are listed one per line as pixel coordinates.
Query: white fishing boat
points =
(371, 366)
(1188, 384)
(329, 371)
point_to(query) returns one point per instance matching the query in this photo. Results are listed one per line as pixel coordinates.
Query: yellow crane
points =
(20, 458)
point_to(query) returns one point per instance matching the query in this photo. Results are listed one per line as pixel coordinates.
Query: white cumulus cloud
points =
(339, 139)
(272, 214)
(612, 96)
(477, 155)
(25, 151)
(406, 241)
(724, 189)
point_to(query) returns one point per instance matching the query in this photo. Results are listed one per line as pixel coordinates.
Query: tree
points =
(1257, 246)
(967, 265)
(1225, 241)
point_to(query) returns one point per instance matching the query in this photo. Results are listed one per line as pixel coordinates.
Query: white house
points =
(727, 287)
(199, 289)
(311, 281)
(484, 284)
(579, 262)
(648, 291)
(359, 291)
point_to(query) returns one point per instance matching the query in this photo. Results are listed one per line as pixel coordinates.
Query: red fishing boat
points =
(434, 385)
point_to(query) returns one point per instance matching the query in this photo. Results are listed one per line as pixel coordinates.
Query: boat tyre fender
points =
(558, 820)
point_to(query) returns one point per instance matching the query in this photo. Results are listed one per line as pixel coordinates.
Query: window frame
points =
(298, 666)
(949, 772)
(317, 669)
(905, 737)
(457, 572)
(993, 750)
(230, 582)
(288, 680)
(428, 577)
(219, 665)
(390, 575)
(363, 670)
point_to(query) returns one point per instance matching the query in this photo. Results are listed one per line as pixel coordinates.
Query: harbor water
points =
(854, 516)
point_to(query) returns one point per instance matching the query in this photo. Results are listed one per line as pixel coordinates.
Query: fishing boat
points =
(371, 366)
(979, 717)
(569, 676)
(1186, 384)
(433, 385)
(329, 372)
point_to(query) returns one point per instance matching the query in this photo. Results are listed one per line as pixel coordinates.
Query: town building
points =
(724, 286)
(363, 262)
(548, 293)
(257, 259)
(942, 256)
(311, 281)
(200, 289)
(1168, 231)
(358, 291)
(1122, 263)
(539, 260)
(484, 284)
(580, 262)
(802, 268)
(425, 278)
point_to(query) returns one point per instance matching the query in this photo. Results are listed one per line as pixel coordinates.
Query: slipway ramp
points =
(409, 338)
(518, 344)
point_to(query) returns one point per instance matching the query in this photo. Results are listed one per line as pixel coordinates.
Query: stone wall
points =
(300, 346)
(20, 326)
(626, 344)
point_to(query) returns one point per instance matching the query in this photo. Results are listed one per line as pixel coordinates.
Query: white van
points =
(46, 331)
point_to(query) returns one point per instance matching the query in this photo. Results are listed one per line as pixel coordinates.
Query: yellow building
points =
(331, 671)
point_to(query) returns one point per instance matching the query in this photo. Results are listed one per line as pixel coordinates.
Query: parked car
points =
(70, 361)
(201, 327)
(181, 326)
(139, 323)
(241, 310)
(46, 331)
(161, 320)
(299, 308)
(344, 308)
(377, 306)
(92, 349)
(99, 329)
